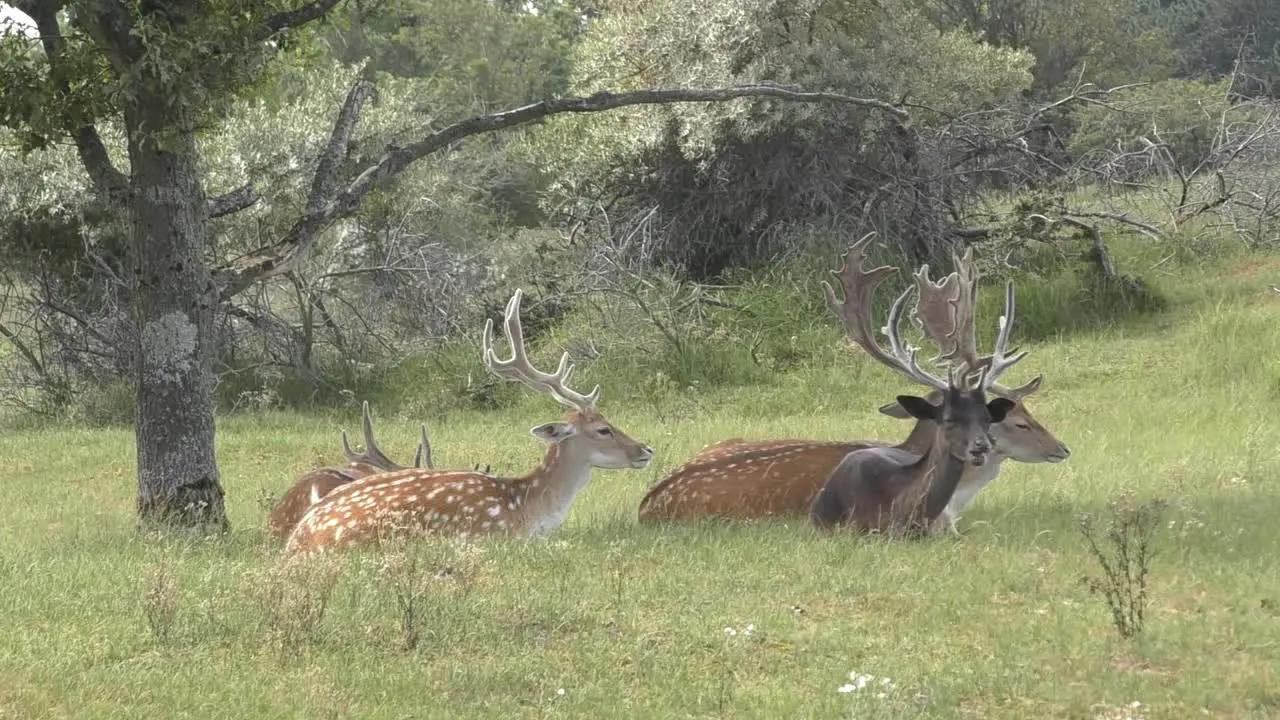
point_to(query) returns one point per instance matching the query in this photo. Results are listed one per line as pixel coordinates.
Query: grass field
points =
(609, 619)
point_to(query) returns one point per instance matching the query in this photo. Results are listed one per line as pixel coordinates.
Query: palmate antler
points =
(859, 285)
(945, 312)
(519, 369)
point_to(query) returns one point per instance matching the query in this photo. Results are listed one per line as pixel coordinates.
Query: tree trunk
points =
(173, 301)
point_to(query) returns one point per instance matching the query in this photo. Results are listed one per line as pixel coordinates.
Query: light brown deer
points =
(314, 485)
(891, 490)
(414, 502)
(741, 479)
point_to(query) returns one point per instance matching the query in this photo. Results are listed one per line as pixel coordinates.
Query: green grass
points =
(630, 621)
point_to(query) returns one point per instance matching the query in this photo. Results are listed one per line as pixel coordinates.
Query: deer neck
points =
(934, 478)
(543, 496)
(973, 479)
(948, 470)
(921, 439)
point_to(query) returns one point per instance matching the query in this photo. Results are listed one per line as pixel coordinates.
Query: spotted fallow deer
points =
(311, 487)
(891, 490)
(742, 479)
(415, 502)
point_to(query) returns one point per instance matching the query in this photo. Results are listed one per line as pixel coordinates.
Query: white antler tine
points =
(486, 343)
(1000, 361)
(521, 369)
(515, 330)
(565, 368)
(907, 358)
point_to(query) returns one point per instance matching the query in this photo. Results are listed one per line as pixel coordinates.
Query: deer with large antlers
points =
(890, 490)
(314, 485)
(742, 479)
(414, 502)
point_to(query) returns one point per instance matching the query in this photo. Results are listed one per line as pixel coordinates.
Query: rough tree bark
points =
(173, 304)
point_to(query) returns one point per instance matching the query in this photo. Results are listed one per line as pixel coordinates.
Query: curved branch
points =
(282, 256)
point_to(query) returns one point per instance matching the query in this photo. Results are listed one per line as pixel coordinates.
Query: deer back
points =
(410, 503)
(862, 487)
(745, 480)
(315, 484)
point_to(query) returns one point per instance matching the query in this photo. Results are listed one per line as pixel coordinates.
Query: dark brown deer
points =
(462, 502)
(743, 479)
(891, 490)
(314, 485)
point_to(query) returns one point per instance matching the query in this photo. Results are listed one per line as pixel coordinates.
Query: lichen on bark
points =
(169, 347)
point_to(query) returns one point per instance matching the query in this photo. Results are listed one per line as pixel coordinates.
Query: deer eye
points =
(1022, 426)
(605, 432)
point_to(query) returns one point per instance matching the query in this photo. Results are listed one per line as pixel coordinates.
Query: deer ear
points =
(895, 410)
(999, 408)
(554, 432)
(918, 407)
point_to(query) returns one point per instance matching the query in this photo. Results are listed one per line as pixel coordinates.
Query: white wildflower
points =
(860, 681)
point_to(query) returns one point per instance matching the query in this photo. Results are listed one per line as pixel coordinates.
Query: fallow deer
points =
(891, 490)
(945, 312)
(415, 502)
(741, 479)
(314, 485)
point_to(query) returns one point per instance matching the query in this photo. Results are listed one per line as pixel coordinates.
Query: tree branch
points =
(297, 18)
(1148, 230)
(335, 153)
(1100, 254)
(282, 256)
(106, 179)
(232, 202)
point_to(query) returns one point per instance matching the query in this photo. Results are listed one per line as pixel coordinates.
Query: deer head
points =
(964, 418)
(945, 312)
(585, 433)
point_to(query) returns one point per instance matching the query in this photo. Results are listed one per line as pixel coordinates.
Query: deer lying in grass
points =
(741, 479)
(311, 487)
(414, 502)
(888, 489)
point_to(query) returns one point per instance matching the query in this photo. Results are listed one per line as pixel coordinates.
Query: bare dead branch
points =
(25, 351)
(1146, 229)
(78, 317)
(1101, 256)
